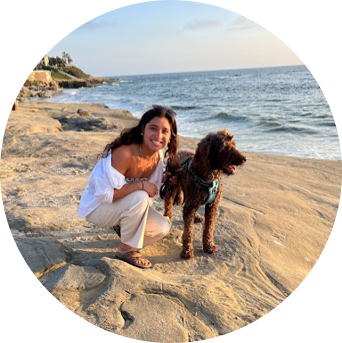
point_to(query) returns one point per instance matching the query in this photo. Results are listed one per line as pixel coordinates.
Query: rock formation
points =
(275, 218)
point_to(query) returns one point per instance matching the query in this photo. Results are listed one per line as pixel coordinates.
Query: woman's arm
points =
(121, 160)
(126, 189)
(173, 179)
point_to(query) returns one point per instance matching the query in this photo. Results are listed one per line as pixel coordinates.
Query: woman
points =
(126, 180)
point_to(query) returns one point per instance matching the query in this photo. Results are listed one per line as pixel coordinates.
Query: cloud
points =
(201, 24)
(242, 23)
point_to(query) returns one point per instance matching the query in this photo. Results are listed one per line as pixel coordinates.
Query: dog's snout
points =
(244, 159)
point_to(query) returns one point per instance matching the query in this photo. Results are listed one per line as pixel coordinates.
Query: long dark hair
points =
(133, 135)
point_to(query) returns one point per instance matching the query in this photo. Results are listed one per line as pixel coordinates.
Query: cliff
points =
(78, 83)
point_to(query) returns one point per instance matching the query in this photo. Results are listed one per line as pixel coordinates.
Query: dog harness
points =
(212, 186)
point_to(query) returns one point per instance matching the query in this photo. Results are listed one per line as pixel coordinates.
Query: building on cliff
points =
(40, 75)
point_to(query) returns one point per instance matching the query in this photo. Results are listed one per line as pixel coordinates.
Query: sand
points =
(275, 218)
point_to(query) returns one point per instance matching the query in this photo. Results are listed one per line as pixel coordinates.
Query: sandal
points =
(117, 229)
(133, 258)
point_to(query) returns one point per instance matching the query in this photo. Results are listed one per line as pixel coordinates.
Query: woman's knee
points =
(138, 202)
(161, 230)
(140, 197)
(166, 226)
(166, 230)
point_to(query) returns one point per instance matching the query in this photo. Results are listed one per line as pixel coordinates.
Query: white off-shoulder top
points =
(104, 179)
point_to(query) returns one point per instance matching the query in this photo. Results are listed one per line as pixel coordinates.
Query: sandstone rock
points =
(83, 113)
(83, 120)
(275, 217)
(73, 278)
(165, 325)
(25, 92)
(78, 83)
(41, 254)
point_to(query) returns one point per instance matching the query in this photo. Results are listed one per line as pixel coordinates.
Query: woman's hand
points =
(173, 179)
(150, 188)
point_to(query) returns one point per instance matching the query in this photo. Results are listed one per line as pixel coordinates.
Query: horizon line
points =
(202, 71)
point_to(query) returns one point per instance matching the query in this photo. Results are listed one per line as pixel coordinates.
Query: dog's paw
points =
(198, 219)
(210, 249)
(187, 253)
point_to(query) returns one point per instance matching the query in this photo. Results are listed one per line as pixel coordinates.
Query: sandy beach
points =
(275, 218)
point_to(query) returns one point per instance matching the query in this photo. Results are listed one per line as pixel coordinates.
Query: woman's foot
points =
(132, 256)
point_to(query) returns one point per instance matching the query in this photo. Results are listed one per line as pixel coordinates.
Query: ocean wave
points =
(235, 117)
(178, 107)
(292, 129)
(71, 91)
(323, 116)
(226, 116)
(221, 77)
(307, 114)
(273, 100)
(315, 116)
(269, 123)
(225, 77)
(329, 124)
(122, 81)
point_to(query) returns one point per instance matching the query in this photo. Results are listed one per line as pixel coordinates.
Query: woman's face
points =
(156, 134)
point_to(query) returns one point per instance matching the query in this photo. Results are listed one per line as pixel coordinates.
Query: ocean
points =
(279, 110)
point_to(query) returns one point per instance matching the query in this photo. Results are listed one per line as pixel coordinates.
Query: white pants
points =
(141, 225)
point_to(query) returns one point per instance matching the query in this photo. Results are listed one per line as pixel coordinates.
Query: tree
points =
(69, 59)
(66, 58)
(56, 62)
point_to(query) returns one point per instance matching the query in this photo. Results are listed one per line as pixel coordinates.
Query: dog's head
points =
(229, 156)
(218, 151)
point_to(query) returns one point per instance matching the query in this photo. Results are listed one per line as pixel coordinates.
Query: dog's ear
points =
(201, 158)
(228, 135)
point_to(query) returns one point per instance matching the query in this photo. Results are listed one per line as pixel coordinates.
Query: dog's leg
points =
(170, 195)
(188, 218)
(179, 197)
(211, 214)
(168, 202)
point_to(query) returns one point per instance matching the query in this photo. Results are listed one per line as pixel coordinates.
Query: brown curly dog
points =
(215, 154)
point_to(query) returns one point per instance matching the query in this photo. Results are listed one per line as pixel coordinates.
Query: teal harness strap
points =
(212, 186)
(212, 192)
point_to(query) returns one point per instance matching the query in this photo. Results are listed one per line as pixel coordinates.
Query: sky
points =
(171, 36)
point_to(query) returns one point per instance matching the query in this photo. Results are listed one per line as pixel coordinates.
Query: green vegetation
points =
(60, 76)
(72, 70)
(57, 65)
